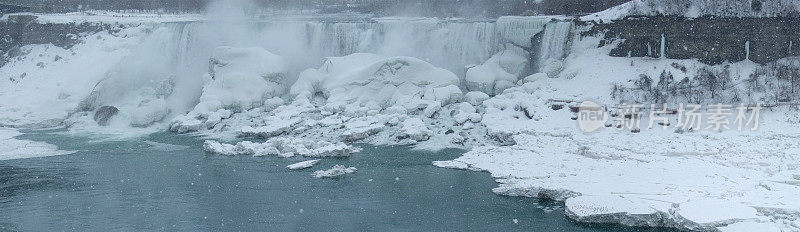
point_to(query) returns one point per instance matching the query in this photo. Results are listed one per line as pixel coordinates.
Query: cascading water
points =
(554, 41)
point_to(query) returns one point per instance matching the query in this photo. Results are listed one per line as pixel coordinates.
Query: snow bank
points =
(712, 180)
(499, 72)
(239, 79)
(364, 82)
(336, 171)
(284, 147)
(11, 148)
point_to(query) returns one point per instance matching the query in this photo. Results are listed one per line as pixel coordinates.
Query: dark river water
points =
(141, 185)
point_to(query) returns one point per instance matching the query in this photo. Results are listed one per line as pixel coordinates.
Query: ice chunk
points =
(432, 109)
(302, 165)
(498, 73)
(361, 129)
(219, 148)
(476, 98)
(415, 129)
(336, 171)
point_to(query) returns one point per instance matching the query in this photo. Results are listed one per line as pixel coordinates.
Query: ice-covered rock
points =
(302, 165)
(360, 129)
(476, 98)
(239, 79)
(352, 82)
(432, 109)
(552, 67)
(149, 112)
(498, 73)
(336, 171)
(446, 95)
(104, 114)
(415, 129)
(272, 103)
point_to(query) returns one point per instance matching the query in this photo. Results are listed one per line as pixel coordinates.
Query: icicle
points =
(649, 50)
(663, 46)
(747, 48)
(790, 47)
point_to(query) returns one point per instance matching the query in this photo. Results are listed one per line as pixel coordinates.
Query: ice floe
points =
(11, 148)
(336, 171)
(302, 165)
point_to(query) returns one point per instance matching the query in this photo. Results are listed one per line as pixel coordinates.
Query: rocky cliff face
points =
(21, 30)
(710, 40)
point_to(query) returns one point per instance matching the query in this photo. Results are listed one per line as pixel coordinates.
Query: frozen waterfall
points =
(451, 44)
(554, 41)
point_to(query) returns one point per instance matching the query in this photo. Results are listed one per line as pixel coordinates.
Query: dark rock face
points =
(710, 40)
(21, 30)
(104, 114)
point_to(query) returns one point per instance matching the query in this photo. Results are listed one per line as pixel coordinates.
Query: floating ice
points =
(11, 148)
(336, 171)
(284, 147)
(302, 165)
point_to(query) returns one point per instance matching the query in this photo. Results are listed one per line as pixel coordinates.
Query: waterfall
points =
(450, 44)
(747, 50)
(663, 47)
(554, 41)
(179, 52)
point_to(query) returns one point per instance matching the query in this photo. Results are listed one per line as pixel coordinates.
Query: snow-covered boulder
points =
(476, 98)
(238, 79)
(362, 83)
(415, 129)
(498, 73)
